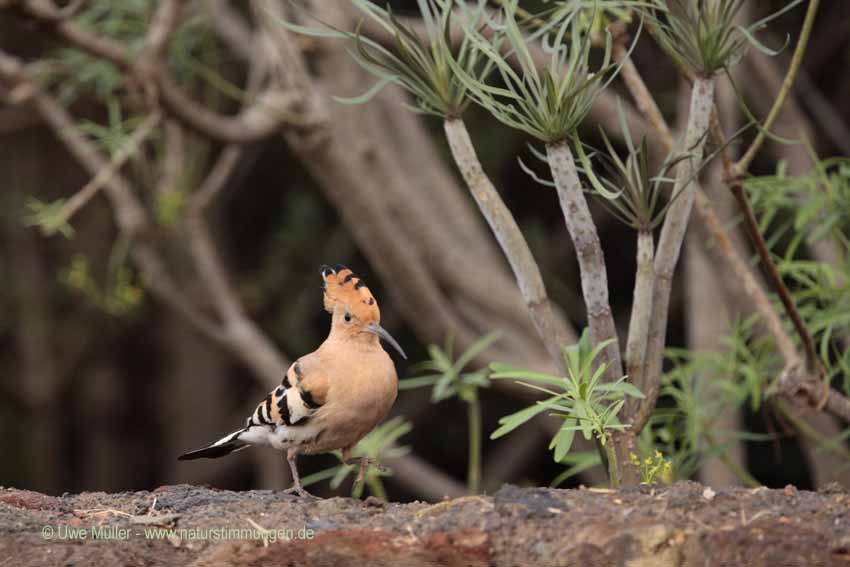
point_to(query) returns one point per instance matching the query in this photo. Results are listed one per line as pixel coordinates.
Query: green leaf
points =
(500, 371)
(418, 382)
(510, 422)
(476, 349)
(563, 440)
(580, 463)
(621, 386)
(368, 95)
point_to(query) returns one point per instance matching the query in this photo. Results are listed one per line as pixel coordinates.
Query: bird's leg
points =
(361, 474)
(365, 463)
(291, 456)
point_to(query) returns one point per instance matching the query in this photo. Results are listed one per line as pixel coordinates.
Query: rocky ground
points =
(683, 525)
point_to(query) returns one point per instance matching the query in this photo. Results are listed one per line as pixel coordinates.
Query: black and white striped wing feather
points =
(281, 420)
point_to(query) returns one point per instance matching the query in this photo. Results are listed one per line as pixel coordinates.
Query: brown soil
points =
(683, 525)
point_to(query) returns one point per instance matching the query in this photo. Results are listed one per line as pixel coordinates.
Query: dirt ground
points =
(683, 525)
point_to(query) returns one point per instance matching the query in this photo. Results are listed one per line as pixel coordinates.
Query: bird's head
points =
(352, 306)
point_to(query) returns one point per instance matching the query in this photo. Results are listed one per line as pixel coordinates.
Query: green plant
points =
(122, 292)
(581, 399)
(380, 444)
(794, 212)
(448, 379)
(49, 217)
(549, 103)
(654, 469)
(423, 66)
(628, 190)
(703, 385)
(702, 36)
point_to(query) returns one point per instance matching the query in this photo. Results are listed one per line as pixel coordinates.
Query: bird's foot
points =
(365, 463)
(299, 491)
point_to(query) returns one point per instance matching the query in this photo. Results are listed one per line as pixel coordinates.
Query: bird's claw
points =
(298, 491)
(365, 463)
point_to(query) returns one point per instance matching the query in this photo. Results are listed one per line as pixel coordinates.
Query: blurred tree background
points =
(151, 319)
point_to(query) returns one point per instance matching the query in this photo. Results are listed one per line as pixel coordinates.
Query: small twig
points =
(640, 93)
(747, 521)
(441, 507)
(105, 175)
(835, 446)
(756, 237)
(817, 393)
(263, 531)
(93, 511)
(154, 519)
(165, 20)
(272, 109)
(241, 339)
(744, 163)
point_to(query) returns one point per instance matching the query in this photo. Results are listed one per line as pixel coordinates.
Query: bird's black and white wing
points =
(281, 420)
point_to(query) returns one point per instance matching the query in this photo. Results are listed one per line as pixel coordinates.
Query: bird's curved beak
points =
(382, 333)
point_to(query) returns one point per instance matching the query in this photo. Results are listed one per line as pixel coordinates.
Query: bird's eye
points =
(348, 317)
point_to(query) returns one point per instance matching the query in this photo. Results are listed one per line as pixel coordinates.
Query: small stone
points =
(373, 502)
(708, 493)
(790, 490)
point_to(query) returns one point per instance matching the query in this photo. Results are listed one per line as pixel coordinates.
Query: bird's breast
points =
(360, 395)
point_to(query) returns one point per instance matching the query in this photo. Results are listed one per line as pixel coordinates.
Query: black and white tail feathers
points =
(222, 447)
(278, 420)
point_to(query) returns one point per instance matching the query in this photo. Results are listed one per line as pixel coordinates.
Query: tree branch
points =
(828, 399)
(134, 224)
(269, 112)
(510, 238)
(594, 275)
(672, 236)
(105, 175)
(639, 322)
(243, 333)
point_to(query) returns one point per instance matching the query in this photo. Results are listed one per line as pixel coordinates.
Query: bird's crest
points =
(343, 287)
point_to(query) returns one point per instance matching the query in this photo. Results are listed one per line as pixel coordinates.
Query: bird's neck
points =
(342, 334)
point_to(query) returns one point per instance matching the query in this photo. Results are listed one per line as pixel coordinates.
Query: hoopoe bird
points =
(331, 398)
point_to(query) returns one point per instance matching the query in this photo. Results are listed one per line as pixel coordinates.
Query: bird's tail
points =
(224, 446)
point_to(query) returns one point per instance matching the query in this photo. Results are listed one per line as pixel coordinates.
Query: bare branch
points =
(135, 225)
(828, 399)
(744, 163)
(709, 221)
(165, 20)
(105, 175)
(672, 236)
(796, 381)
(269, 113)
(232, 29)
(641, 315)
(240, 330)
(594, 275)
